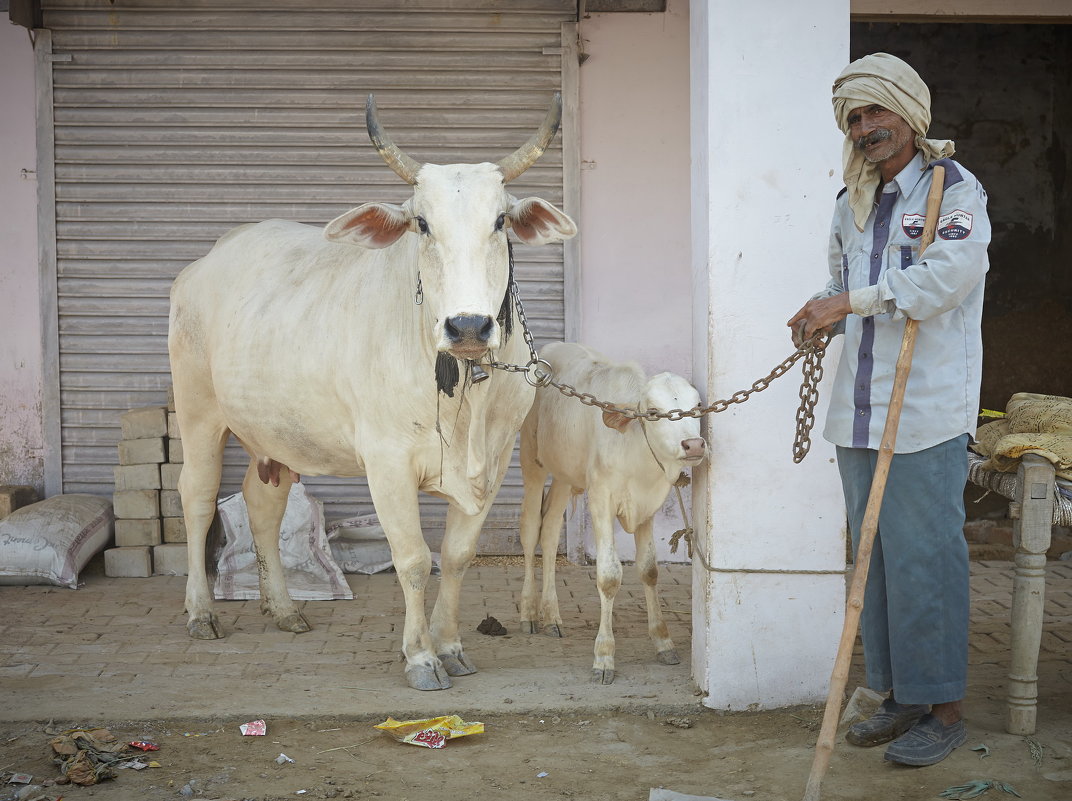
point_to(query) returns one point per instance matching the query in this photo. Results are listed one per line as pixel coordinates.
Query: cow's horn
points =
(526, 155)
(406, 167)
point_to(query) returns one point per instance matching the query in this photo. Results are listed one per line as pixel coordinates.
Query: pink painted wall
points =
(635, 210)
(635, 187)
(21, 445)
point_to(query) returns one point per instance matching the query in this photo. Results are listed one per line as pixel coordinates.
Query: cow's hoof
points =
(529, 627)
(205, 628)
(668, 657)
(553, 630)
(457, 665)
(425, 677)
(604, 676)
(296, 623)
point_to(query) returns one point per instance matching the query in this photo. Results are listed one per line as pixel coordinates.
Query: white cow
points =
(627, 466)
(322, 350)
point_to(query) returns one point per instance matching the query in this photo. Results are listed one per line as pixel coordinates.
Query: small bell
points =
(477, 373)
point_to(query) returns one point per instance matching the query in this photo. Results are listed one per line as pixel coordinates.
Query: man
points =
(915, 616)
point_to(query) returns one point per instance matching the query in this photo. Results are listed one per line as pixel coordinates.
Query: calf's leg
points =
(608, 581)
(531, 505)
(648, 571)
(550, 616)
(266, 505)
(558, 496)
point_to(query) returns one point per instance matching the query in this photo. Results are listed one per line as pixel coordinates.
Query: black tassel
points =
(506, 318)
(446, 373)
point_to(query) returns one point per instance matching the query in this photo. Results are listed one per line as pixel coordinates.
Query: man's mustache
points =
(873, 138)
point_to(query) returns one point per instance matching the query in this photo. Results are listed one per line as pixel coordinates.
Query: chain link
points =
(539, 374)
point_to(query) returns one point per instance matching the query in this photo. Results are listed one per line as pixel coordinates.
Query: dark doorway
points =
(1003, 93)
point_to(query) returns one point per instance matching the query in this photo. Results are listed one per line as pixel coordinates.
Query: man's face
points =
(879, 133)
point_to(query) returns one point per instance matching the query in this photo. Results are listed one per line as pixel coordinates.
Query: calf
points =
(627, 465)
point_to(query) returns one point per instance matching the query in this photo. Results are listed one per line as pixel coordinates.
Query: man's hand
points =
(818, 315)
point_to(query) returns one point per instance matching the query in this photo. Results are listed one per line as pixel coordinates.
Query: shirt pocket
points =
(901, 255)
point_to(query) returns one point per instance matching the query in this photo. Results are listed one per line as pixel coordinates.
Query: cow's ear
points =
(537, 222)
(373, 225)
(616, 420)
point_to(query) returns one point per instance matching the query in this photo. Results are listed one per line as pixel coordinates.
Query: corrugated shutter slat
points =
(176, 122)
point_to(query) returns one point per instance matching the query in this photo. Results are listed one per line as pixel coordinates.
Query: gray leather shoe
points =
(888, 723)
(928, 742)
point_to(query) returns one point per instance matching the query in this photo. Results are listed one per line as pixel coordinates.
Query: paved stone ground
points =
(118, 647)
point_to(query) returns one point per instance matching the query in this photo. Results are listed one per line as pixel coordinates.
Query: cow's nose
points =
(693, 447)
(474, 328)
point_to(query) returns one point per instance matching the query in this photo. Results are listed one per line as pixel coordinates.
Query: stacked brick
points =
(15, 496)
(150, 535)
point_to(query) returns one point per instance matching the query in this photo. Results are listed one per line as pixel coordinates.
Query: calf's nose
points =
(693, 447)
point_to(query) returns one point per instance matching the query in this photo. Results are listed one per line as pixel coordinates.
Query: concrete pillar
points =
(22, 457)
(766, 168)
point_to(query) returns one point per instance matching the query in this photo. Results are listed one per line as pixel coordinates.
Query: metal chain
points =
(812, 368)
(539, 374)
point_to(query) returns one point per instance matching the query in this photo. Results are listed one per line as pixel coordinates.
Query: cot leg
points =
(1033, 517)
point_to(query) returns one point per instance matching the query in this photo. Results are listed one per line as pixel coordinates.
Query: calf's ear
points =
(616, 420)
(537, 222)
(373, 225)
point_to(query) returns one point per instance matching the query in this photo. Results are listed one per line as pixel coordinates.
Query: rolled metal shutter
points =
(172, 126)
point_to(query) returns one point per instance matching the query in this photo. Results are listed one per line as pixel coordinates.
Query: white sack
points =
(310, 570)
(50, 541)
(359, 545)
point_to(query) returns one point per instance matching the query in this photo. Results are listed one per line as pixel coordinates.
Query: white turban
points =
(887, 81)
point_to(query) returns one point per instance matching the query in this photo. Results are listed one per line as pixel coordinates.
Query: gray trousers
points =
(916, 605)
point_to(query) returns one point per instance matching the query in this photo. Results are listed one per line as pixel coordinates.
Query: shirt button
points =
(882, 224)
(874, 255)
(861, 413)
(863, 355)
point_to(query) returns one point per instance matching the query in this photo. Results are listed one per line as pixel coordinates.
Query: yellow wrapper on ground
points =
(430, 732)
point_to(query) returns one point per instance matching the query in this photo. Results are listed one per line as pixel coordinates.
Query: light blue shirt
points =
(886, 282)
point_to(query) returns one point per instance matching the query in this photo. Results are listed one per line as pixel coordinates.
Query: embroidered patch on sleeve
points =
(912, 225)
(955, 225)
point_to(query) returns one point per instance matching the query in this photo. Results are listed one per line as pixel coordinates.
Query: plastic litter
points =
(88, 755)
(255, 728)
(35, 792)
(283, 759)
(984, 748)
(144, 745)
(542, 774)
(974, 789)
(429, 732)
(862, 705)
(200, 733)
(20, 778)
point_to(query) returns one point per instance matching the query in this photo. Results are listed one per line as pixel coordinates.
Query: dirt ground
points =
(115, 654)
(554, 755)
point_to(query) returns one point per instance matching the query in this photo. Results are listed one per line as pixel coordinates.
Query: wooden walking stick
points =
(824, 747)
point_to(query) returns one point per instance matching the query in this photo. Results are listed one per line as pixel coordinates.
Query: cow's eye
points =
(500, 222)
(422, 225)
